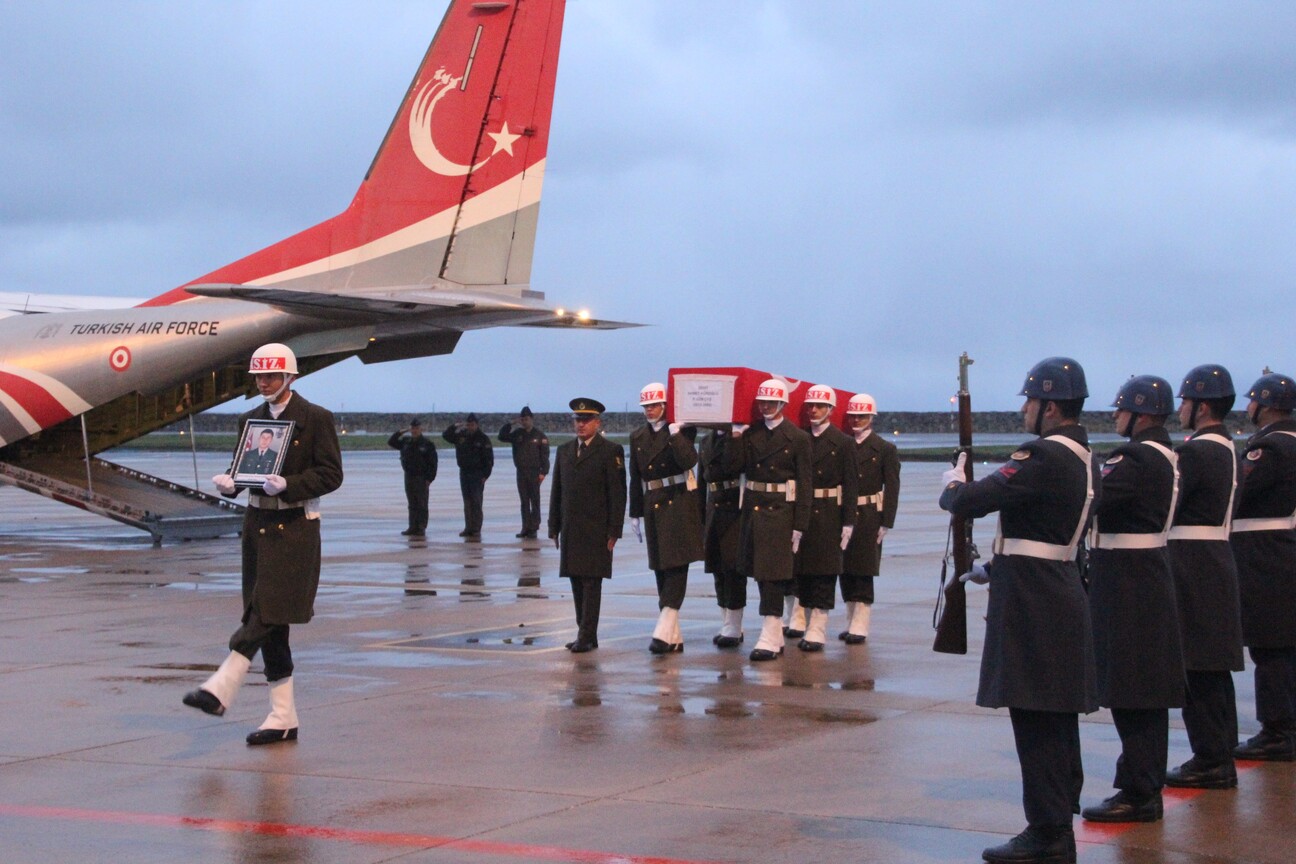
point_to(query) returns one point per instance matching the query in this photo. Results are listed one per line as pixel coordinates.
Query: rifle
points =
(950, 616)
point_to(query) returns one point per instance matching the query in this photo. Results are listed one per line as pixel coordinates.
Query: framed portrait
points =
(261, 450)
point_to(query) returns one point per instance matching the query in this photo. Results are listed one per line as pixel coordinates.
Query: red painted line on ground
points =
(376, 838)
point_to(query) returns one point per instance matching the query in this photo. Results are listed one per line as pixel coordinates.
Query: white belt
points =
(665, 482)
(270, 502)
(757, 486)
(721, 485)
(829, 492)
(1034, 549)
(1128, 541)
(1199, 532)
(1277, 523)
(875, 499)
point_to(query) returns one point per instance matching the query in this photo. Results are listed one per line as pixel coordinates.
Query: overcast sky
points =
(847, 192)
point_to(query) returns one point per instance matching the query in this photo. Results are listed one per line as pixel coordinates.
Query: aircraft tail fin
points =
(453, 195)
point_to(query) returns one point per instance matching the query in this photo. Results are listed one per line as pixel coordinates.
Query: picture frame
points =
(262, 446)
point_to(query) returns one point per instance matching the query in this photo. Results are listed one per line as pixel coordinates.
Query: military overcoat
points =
(833, 460)
(1038, 652)
(587, 502)
(879, 474)
(768, 518)
(722, 513)
(1266, 560)
(672, 515)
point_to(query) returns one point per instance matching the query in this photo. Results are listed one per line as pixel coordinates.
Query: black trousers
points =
(1145, 740)
(772, 592)
(671, 586)
(731, 589)
(473, 487)
(528, 485)
(1210, 716)
(817, 592)
(856, 589)
(1275, 686)
(270, 639)
(416, 496)
(587, 596)
(1048, 750)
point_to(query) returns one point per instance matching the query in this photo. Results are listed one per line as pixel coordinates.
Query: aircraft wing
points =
(32, 304)
(416, 303)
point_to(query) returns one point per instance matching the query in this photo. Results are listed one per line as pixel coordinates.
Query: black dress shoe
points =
(407, 532)
(1037, 845)
(271, 736)
(463, 533)
(1194, 775)
(843, 634)
(789, 633)
(810, 647)
(760, 655)
(520, 534)
(1123, 807)
(582, 647)
(1268, 746)
(417, 534)
(854, 639)
(204, 701)
(657, 646)
(728, 641)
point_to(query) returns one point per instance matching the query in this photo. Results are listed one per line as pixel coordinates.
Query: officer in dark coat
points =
(475, 456)
(1038, 659)
(587, 501)
(1264, 545)
(1206, 581)
(832, 515)
(281, 547)
(775, 456)
(531, 460)
(418, 459)
(1132, 599)
(721, 535)
(663, 494)
(878, 464)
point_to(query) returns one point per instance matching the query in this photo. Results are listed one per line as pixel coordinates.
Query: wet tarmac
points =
(442, 720)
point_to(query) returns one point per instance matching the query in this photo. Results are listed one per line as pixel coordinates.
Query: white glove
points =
(634, 526)
(977, 574)
(796, 541)
(881, 534)
(674, 428)
(224, 484)
(739, 428)
(274, 484)
(957, 474)
(847, 531)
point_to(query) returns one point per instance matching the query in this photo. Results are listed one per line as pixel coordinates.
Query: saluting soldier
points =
(878, 464)
(587, 501)
(475, 456)
(1038, 659)
(720, 545)
(832, 515)
(1206, 583)
(281, 547)
(418, 459)
(1132, 599)
(531, 460)
(663, 494)
(776, 459)
(1264, 545)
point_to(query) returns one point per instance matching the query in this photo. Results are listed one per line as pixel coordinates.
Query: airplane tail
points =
(452, 197)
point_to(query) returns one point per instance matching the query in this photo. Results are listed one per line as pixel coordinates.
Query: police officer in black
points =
(1038, 657)
(1132, 599)
(475, 456)
(531, 459)
(418, 459)
(1264, 545)
(1206, 581)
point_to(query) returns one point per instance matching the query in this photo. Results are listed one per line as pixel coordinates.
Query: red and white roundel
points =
(120, 358)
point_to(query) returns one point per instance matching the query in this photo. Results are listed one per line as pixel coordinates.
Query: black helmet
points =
(1274, 391)
(1145, 394)
(1208, 381)
(1055, 378)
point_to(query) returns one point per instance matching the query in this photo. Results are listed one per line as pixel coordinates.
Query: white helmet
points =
(861, 403)
(273, 357)
(652, 393)
(822, 395)
(773, 390)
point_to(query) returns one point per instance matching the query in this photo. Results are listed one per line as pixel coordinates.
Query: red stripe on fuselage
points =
(35, 400)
